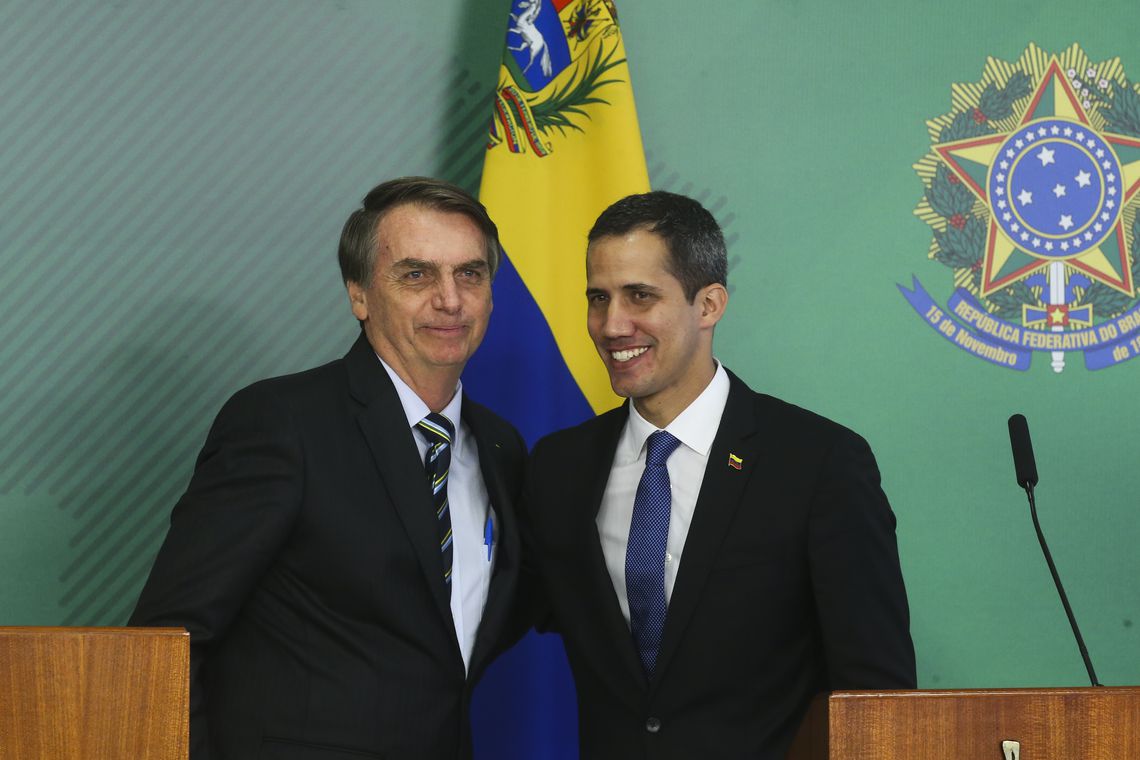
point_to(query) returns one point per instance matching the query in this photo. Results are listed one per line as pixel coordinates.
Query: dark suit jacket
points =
(304, 560)
(789, 584)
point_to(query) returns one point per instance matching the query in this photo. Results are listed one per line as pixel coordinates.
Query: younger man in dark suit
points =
(712, 556)
(346, 553)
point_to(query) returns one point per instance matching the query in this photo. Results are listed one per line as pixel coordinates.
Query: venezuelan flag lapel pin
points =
(734, 461)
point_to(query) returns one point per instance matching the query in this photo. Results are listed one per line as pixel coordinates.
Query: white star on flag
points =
(1066, 221)
(1046, 157)
(1059, 190)
(1083, 179)
(1024, 197)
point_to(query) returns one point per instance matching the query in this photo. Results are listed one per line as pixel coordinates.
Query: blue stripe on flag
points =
(525, 706)
(518, 371)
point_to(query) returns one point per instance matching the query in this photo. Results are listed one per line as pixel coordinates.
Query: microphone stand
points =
(1060, 588)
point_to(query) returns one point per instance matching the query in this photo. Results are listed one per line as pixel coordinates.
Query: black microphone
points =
(1026, 469)
(1023, 462)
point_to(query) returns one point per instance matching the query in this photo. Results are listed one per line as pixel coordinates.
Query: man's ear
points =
(713, 300)
(357, 300)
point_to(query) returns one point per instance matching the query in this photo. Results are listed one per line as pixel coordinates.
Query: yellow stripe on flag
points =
(556, 158)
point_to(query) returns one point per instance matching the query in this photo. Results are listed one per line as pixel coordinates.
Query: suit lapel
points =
(720, 497)
(599, 585)
(385, 428)
(504, 578)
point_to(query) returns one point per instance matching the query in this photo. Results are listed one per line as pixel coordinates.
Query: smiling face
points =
(426, 309)
(655, 343)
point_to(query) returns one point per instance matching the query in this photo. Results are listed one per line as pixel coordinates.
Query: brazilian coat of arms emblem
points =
(1031, 193)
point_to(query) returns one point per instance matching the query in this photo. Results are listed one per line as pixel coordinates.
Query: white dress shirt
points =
(696, 429)
(470, 508)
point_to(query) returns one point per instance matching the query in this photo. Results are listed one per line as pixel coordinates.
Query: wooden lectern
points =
(983, 724)
(94, 693)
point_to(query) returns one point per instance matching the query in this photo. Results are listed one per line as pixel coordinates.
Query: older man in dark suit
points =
(712, 556)
(346, 553)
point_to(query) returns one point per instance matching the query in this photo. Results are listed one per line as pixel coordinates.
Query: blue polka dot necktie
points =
(645, 553)
(438, 431)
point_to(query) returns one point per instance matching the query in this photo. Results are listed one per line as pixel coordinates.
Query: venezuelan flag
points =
(563, 145)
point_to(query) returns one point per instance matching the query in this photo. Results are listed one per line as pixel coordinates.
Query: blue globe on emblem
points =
(1054, 188)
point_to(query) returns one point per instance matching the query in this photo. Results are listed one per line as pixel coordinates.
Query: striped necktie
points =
(645, 551)
(438, 431)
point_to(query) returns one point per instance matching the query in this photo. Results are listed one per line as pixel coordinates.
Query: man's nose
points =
(616, 322)
(446, 297)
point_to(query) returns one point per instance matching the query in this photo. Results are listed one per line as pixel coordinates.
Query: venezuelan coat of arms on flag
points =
(549, 37)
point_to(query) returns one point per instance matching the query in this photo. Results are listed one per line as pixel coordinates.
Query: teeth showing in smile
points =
(629, 353)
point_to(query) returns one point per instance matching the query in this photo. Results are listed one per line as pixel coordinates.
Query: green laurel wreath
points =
(569, 100)
(961, 244)
(1121, 111)
(1108, 302)
(995, 104)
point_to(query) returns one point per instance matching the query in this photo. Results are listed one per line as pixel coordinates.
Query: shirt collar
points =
(695, 427)
(415, 409)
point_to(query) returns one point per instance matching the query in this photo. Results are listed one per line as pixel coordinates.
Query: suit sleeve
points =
(521, 617)
(855, 573)
(224, 533)
(533, 606)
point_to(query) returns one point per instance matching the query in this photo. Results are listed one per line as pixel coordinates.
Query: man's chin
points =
(623, 387)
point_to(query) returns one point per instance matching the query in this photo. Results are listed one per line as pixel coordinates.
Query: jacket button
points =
(653, 725)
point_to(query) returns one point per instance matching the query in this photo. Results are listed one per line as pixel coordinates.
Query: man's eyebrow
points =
(414, 264)
(629, 287)
(411, 263)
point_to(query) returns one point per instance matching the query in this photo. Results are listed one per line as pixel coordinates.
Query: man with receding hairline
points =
(712, 556)
(346, 554)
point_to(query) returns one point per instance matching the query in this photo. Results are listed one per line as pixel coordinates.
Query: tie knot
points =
(658, 448)
(436, 428)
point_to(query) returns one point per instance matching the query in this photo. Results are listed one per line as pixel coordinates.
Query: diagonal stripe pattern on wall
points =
(176, 181)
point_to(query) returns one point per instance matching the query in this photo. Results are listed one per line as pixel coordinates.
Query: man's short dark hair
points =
(359, 240)
(697, 255)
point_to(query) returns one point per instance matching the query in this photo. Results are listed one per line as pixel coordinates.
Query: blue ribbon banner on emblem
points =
(973, 342)
(1120, 349)
(969, 326)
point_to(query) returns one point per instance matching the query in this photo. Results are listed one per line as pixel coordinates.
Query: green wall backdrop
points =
(174, 177)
